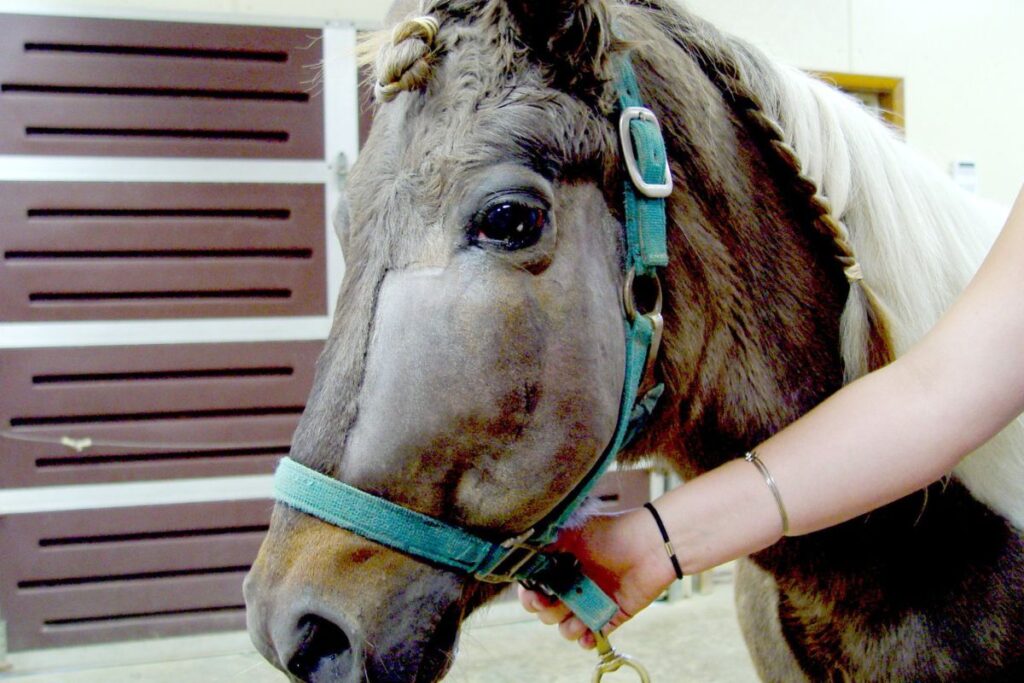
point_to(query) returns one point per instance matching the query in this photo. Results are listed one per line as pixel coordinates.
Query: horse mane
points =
(918, 238)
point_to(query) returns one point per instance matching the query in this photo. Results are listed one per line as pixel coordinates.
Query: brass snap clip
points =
(612, 661)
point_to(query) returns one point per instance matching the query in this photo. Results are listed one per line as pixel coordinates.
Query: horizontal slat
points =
(276, 278)
(112, 52)
(78, 216)
(177, 623)
(149, 412)
(87, 290)
(122, 600)
(86, 564)
(60, 76)
(138, 451)
(227, 432)
(221, 94)
(138, 251)
(133, 126)
(154, 396)
(81, 420)
(127, 597)
(150, 571)
(38, 466)
(157, 234)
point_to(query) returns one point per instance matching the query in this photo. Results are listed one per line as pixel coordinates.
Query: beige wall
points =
(961, 60)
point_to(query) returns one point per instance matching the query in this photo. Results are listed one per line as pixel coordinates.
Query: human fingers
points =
(534, 601)
(587, 641)
(572, 628)
(555, 614)
(549, 610)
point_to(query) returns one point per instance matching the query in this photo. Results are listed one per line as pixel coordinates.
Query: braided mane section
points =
(881, 349)
(863, 300)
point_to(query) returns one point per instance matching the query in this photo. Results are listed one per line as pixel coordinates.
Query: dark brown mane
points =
(750, 253)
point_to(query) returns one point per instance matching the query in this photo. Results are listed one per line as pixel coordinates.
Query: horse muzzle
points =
(312, 641)
(345, 610)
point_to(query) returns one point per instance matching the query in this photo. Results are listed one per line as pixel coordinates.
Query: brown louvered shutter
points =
(109, 414)
(111, 574)
(74, 251)
(130, 88)
(239, 247)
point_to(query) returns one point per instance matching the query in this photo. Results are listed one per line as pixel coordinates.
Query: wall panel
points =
(73, 86)
(143, 572)
(149, 412)
(88, 251)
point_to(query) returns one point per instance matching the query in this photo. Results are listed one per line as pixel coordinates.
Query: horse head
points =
(475, 366)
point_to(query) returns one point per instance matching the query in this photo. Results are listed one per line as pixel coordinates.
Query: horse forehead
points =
(424, 159)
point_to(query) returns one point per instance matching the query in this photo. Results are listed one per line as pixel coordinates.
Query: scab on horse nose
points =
(320, 651)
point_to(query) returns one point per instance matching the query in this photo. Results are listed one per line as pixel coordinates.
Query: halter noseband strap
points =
(522, 558)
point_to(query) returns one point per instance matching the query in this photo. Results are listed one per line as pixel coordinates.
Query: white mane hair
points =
(919, 238)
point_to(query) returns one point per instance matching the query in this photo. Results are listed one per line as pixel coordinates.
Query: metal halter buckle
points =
(517, 554)
(651, 190)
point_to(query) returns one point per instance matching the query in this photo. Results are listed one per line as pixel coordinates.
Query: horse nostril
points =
(322, 648)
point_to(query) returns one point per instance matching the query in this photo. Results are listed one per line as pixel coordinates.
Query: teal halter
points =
(522, 558)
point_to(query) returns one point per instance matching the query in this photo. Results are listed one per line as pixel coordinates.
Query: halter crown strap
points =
(522, 558)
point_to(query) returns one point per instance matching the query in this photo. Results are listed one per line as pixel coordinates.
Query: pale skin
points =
(880, 438)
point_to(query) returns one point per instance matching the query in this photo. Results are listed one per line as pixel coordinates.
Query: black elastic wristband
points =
(668, 543)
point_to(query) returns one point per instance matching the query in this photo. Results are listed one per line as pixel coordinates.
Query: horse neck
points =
(754, 292)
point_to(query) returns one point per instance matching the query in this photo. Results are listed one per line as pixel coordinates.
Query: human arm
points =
(878, 439)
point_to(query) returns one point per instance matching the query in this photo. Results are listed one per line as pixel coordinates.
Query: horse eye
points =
(510, 225)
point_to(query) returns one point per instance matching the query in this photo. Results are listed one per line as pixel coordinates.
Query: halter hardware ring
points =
(653, 316)
(650, 190)
(629, 297)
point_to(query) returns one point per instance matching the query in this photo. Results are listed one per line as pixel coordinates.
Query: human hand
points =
(623, 554)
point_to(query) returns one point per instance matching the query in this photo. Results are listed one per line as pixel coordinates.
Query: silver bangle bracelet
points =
(751, 457)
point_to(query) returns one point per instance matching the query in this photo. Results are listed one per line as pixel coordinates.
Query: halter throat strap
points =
(522, 557)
